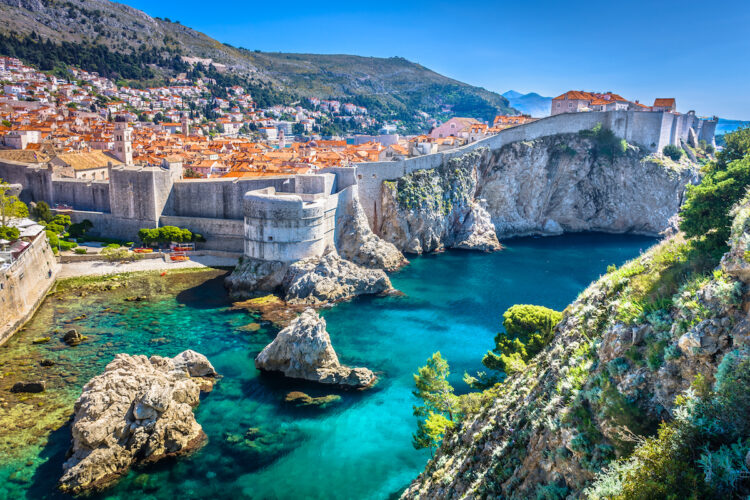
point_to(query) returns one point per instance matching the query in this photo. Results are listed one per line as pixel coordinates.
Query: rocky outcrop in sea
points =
(139, 410)
(565, 182)
(303, 350)
(312, 281)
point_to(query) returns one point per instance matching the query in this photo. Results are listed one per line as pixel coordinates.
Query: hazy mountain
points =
(393, 84)
(529, 104)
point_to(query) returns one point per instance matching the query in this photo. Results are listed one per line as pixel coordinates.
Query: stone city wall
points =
(24, 285)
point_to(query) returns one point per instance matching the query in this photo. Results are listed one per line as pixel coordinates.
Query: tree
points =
(42, 212)
(672, 151)
(10, 206)
(707, 205)
(9, 233)
(79, 229)
(440, 404)
(528, 329)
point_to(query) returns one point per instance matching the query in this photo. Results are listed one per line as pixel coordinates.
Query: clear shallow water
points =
(358, 448)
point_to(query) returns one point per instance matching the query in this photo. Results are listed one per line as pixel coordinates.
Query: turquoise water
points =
(357, 448)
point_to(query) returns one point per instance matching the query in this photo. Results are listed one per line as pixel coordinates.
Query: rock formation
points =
(429, 210)
(558, 183)
(138, 410)
(314, 281)
(356, 242)
(608, 378)
(303, 350)
(331, 279)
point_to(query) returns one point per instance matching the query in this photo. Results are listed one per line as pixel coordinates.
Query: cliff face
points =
(558, 183)
(625, 348)
(429, 210)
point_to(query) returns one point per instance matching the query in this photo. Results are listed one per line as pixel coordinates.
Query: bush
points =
(54, 240)
(113, 245)
(81, 250)
(118, 254)
(9, 233)
(605, 141)
(42, 212)
(528, 329)
(79, 229)
(166, 234)
(67, 245)
(672, 151)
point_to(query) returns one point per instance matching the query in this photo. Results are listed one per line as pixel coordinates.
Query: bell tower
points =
(124, 142)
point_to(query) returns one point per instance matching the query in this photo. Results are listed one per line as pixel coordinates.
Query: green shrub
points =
(606, 143)
(42, 212)
(673, 152)
(81, 250)
(725, 181)
(528, 329)
(9, 233)
(67, 245)
(54, 240)
(113, 245)
(80, 228)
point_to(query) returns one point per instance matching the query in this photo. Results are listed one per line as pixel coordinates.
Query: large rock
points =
(253, 277)
(318, 281)
(303, 350)
(139, 410)
(356, 242)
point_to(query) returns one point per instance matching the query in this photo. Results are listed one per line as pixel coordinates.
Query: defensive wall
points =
(24, 285)
(651, 130)
(297, 213)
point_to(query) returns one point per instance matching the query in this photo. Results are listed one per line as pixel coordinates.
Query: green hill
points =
(391, 87)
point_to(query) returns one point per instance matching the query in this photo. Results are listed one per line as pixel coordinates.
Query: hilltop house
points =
(576, 101)
(455, 127)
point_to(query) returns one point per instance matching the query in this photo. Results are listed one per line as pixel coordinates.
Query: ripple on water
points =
(259, 446)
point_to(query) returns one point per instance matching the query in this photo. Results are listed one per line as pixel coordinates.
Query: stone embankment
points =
(139, 410)
(303, 350)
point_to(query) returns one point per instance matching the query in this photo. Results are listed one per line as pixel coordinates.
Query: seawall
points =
(24, 285)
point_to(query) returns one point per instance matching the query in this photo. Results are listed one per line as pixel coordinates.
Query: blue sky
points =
(698, 52)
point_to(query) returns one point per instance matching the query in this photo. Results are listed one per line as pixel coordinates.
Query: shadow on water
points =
(210, 294)
(44, 481)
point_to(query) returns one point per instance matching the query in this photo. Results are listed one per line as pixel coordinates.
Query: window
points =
(270, 238)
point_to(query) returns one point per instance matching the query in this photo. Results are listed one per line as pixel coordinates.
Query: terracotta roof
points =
(87, 160)
(667, 102)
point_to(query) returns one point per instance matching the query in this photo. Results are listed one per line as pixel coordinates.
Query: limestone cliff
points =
(628, 345)
(356, 242)
(566, 182)
(429, 210)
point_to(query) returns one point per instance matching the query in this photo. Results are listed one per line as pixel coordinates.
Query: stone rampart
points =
(24, 285)
(288, 227)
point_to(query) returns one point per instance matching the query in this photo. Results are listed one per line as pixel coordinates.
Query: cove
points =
(357, 448)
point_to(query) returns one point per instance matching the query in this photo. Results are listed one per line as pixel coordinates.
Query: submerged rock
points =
(73, 338)
(303, 350)
(298, 398)
(139, 410)
(33, 387)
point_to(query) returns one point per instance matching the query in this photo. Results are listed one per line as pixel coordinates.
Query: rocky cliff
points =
(429, 210)
(625, 349)
(566, 182)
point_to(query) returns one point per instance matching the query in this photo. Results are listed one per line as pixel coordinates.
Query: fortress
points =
(289, 218)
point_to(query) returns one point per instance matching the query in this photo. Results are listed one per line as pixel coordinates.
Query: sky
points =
(697, 52)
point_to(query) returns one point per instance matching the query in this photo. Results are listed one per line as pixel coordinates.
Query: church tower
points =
(185, 125)
(124, 142)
